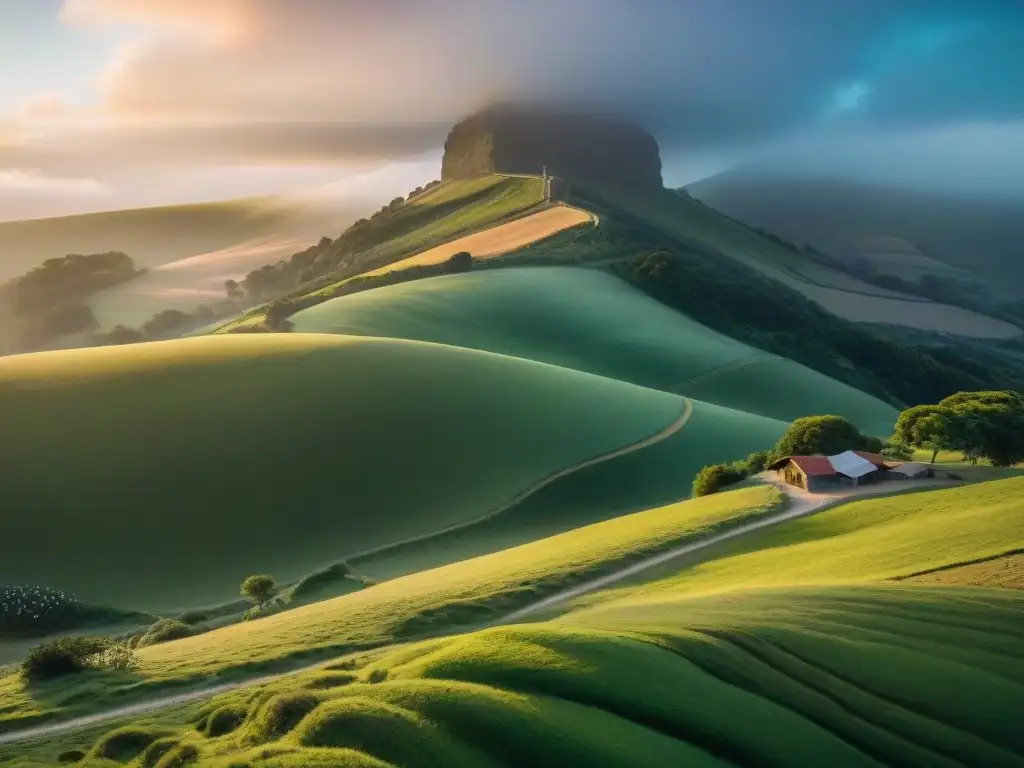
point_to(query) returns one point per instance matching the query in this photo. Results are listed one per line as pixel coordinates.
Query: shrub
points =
(377, 676)
(459, 262)
(279, 715)
(179, 756)
(755, 462)
(715, 477)
(125, 744)
(223, 720)
(64, 656)
(164, 631)
(826, 435)
(156, 751)
(873, 444)
(258, 588)
(71, 756)
(898, 450)
(331, 680)
(117, 656)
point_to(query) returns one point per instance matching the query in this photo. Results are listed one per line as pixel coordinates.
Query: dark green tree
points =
(259, 589)
(819, 435)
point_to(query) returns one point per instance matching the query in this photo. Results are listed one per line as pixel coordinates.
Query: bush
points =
(827, 435)
(124, 744)
(223, 721)
(715, 477)
(155, 752)
(179, 756)
(279, 715)
(258, 588)
(164, 631)
(71, 756)
(898, 450)
(64, 656)
(459, 262)
(117, 657)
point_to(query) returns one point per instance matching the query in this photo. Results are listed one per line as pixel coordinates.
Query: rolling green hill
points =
(591, 321)
(699, 226)
(906, 233)
(868, 540)
(463, 593)
(866, 676)
(220, 456)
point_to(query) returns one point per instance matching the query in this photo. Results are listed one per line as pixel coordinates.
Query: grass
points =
(1005, 571)
(276, 453)
(657, 475)
(500, 239)
(159, 235)
(591, 321)
(869, 540)
(699, 226)
(449, 211)
(464, 593)
(851, 676)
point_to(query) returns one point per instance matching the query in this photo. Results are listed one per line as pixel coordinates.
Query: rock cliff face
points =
(573, 145)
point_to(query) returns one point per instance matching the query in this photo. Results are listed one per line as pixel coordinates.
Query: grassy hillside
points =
(704, 228)
(877, 538)
(900, 232)
(468, 592)
(499, 239)
(922, 678)
(279, 453)
(659, 474)
(446, 212)
(151, 236)
(591, 321)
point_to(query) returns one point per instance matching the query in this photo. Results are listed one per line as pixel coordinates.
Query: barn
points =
(820, 473)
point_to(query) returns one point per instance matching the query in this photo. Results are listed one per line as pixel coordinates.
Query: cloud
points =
(316, 82)
(19, 180)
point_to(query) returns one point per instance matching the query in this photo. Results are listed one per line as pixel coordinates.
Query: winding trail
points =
(657, 437)
(800, 504)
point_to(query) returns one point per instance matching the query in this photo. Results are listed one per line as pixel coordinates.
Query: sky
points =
(119, 103)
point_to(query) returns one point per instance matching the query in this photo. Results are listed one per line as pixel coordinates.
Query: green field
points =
(157, 476)
(656, 475)
(591, 321)
(464, 593)
(868, 540)
(706, 230)
(855, 676)
(448, 211)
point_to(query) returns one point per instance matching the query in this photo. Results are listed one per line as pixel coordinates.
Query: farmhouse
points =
(818, 473)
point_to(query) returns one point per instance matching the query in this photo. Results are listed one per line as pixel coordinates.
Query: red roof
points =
(814, 465)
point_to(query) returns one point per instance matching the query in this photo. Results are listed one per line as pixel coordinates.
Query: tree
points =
(459, 262)
(233, 289)
(819, 435)
(981, 425)
(713, 478)
(259, 589)
(988, 425)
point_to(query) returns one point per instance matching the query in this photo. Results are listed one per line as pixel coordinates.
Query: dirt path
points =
(646, 442)
(800, 504)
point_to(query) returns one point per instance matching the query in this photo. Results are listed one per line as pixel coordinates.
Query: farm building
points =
(818, 473)
(912, 471)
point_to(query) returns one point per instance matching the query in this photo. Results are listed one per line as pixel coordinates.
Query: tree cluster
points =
(980, 425)
(808, 436)
(48, 301)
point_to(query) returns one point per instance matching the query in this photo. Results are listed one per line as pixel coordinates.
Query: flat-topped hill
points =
(571, 144)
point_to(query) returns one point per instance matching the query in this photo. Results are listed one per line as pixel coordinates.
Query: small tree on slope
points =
(259, 589)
